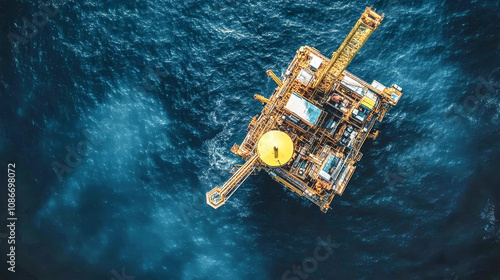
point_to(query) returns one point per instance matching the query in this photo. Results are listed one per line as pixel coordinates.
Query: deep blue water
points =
(164, 89)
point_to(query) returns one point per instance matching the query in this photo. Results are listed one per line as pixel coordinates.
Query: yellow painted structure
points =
(367, 102)
(309, 134)
(275, 148)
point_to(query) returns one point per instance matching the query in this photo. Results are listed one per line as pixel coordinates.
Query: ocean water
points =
(155, 93)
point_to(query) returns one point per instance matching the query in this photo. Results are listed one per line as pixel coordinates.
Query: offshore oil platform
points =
(309, 135)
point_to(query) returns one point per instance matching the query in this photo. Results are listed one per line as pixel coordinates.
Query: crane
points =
(367, 23)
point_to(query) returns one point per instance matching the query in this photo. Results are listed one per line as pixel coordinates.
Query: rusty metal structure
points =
(326, 111)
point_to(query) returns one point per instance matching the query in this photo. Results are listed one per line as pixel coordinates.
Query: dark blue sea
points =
(120, 115)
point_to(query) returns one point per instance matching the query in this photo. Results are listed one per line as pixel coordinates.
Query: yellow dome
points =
(275, 148)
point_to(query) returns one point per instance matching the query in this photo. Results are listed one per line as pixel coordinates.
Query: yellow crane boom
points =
(367, 23)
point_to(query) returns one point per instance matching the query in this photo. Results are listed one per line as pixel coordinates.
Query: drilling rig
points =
(309, 134)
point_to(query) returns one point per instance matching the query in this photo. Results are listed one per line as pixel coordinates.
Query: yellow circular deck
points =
(275, 148)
